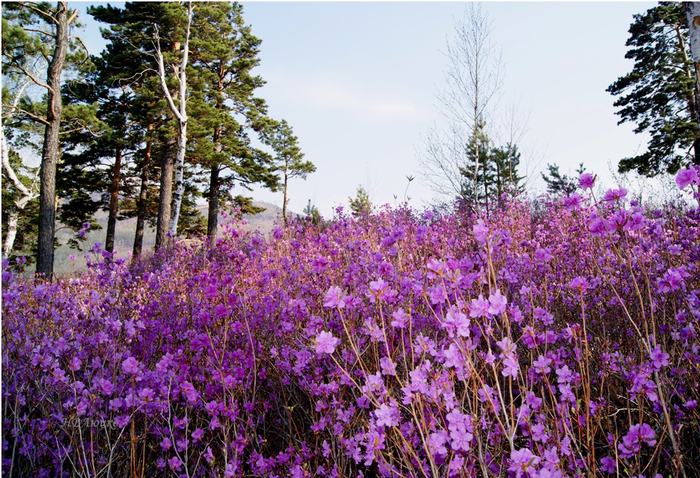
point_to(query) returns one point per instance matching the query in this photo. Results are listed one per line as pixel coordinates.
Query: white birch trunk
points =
(692, 12)
(18, 206)
(180, 113)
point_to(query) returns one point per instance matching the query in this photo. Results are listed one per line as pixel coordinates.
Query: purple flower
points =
(586, 181)
(510, 367)
(436, 443)
(175, 463)
(614, 194)
(522, 462)
(387, 416)
(334, 298)
(685, 177)
(131, 366)
(146, 394)
(497, 303)
(631, 442)
(564, 374)
(481, 231)
(165, 444)
(479, 307)
(578, 283)
(543, 255)
(189, 391)
(326, 343)
(541, 365)
(106, 386)
(658, 358)
(197, 434)
(608, 464)
(572, 202)
(399, 319)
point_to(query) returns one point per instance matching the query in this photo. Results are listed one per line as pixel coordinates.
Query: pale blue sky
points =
(357, 82)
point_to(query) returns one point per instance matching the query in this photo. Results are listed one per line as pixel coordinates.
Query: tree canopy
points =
(659, 94)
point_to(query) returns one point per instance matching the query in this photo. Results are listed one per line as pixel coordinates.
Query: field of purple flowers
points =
(538, 342)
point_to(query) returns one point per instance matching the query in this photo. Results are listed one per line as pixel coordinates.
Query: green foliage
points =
(561, 184)
(658, 95)
(312, 213)
(360, 205)
(288, 155)
(496, 172)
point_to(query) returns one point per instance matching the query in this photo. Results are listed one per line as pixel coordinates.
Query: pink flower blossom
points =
(326, 343)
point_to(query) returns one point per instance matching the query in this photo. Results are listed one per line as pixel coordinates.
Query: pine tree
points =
(506, 160)
(659, 94)
(478, 175)
(32, 30)
(561, 184)
(225, 110)
(361, 204)
(289, 159)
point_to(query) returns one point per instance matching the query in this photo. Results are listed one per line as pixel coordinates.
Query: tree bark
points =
(141, 211)
(213, 214)
(284, 194)
(180, 113)
(113, 201)
(166, 195)
(49, 154)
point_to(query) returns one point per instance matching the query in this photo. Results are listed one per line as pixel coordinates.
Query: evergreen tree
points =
(506, 160)
(312, 213)
(225, 110)
(659, 94)
(561, 184)
(478, 175)
(32, 30)
(360, 205)
(289, 159)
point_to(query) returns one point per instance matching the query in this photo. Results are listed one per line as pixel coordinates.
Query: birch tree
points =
(692, 12)
(179, 111)
(473, 82)
(14, 210)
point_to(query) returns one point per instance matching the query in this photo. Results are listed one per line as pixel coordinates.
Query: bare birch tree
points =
(473, 82)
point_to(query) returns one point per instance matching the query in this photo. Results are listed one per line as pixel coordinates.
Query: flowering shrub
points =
(397, 344)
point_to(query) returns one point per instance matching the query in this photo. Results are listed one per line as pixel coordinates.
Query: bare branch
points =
(73, 17)
(40, 12)
(80, 40)
(26, 192)
(31, 116)
(161, 76)
(32, 77)
(41, 32)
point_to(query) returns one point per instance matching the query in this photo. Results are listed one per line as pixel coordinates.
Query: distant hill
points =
(124, 236)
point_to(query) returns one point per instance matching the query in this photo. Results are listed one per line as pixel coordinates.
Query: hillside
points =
(124, 236)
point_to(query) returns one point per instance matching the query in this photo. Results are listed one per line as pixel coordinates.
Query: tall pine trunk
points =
(213, 214)
(141, 208)
(166, 194)
(284, 194)
(113, 201)
(49, 154)
(214, 182)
